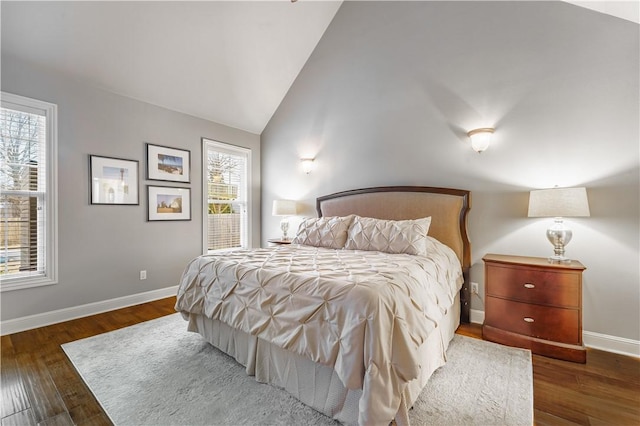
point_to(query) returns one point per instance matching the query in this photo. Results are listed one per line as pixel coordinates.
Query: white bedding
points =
(364, 314)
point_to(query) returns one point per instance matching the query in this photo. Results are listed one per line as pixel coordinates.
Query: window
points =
(226, 180)
(28, 192)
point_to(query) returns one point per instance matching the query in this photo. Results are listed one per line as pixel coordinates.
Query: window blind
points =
(226, 197)
(23, 186)
(28, 196)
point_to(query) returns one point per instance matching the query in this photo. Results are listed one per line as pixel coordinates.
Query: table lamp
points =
(559, 203)
(284, 208)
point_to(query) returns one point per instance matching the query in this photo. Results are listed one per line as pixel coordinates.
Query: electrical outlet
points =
(143, 275)
(474, 288)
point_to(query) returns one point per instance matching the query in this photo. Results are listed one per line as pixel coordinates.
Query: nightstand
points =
(533, 304)
(278, 241)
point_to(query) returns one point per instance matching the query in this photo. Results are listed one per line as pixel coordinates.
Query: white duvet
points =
(363, 313)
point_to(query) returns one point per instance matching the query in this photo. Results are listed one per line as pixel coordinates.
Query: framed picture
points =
(169, 203)
(168, 164)
(113, 181)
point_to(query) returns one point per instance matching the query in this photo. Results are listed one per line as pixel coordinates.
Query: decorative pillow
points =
(389, 236)
(329, 232)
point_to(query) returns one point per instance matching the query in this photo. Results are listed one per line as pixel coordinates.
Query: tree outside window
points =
(28, 196)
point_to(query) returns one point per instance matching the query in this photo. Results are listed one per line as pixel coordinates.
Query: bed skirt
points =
(317, 385)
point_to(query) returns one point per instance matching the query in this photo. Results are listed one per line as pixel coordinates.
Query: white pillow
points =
(389, 236)
(329, 232)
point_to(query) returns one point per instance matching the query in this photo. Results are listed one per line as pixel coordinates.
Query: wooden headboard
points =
(448, 209)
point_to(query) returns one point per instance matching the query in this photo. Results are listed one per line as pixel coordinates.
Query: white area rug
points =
(157, 373)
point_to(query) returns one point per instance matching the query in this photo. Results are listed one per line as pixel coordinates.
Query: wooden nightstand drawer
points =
(534, 285)
(543, 322)
(532, 303)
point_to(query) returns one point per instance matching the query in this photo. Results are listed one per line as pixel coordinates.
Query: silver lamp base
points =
(559, 236)
(284, 226)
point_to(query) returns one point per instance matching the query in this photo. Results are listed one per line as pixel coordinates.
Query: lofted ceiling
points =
(231, 62)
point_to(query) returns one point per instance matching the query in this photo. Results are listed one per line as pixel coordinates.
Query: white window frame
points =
(234, 150)
(50, 111)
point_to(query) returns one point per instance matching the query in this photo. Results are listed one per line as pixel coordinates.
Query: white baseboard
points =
(476, 317)
(604, 342)
(53, 317)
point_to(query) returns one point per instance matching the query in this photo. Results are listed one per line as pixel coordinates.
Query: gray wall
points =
(103, 248)
(391, 89)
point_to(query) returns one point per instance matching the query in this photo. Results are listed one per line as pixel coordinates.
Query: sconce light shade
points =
(480, 138)
(307, 164)
(559, 203)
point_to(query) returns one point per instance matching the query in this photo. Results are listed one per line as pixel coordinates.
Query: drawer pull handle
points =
(527, 319)
(529, 285)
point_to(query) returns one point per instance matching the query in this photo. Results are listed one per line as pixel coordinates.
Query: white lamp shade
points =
(284, 208)
(307, 165)
(480, 138)
(559, 202)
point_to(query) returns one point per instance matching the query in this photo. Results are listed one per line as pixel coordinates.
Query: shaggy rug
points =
(157, 373)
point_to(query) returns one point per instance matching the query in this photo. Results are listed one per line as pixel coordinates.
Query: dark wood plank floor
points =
(40, 386)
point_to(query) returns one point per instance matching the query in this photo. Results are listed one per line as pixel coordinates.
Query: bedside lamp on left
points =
(284, 208)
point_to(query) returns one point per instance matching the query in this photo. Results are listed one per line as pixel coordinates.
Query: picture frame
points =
(113, 181)
(168, 203)
(168, 164)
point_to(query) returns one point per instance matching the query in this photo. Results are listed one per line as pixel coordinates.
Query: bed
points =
(342, 319)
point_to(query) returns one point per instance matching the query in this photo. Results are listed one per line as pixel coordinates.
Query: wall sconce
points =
(480, 138)
(307, 164)
(559, 203)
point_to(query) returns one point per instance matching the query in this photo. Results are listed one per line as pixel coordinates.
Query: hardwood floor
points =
(39, 383)
(40, 386)
(604, 391)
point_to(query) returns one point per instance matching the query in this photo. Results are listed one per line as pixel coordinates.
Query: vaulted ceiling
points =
(231, 62)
